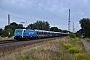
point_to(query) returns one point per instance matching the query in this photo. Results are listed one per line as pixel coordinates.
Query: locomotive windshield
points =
(18, 30)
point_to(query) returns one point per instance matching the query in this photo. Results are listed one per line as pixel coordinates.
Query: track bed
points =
(13, 44)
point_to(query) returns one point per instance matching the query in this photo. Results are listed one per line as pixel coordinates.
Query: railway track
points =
(7, 41)
(13, 44)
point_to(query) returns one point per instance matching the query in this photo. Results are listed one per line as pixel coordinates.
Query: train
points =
(28, 34)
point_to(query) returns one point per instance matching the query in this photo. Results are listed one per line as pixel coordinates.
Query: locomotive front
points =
(19, 33)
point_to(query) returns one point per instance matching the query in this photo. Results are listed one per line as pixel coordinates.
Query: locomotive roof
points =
(20, 29)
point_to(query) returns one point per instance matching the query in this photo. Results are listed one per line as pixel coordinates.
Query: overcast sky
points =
(53, 11)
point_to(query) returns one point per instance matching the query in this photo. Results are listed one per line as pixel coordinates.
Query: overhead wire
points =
(36, 5)
(69, 4)
(7, 12)
(44, 9)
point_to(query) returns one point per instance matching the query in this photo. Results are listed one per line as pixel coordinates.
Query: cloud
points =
(53, 11)
(86, 1)
(3, 22)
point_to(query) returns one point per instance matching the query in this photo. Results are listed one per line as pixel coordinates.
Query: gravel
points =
(86, 45)
(14, 45)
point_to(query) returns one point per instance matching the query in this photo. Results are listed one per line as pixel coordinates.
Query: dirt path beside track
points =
(86, 45)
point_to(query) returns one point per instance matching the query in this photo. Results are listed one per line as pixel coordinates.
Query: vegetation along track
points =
(11, 45)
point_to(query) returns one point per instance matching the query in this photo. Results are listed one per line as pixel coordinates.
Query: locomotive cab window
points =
(18, 31)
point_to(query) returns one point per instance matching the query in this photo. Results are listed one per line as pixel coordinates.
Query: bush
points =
(80, 56)
(75, 39)
(68, 46)
(73, 50)
(72, 35)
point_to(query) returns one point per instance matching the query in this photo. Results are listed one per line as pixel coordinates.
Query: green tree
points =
(1, 32)
(79, 33)
(72, 35)
(59, 30)
(54, 29)
(12, 28)
(85, 26)
(65, 31)
(41, 25)
(5, 33)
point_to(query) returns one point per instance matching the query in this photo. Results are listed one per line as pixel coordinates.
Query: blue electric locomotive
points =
(24, 34)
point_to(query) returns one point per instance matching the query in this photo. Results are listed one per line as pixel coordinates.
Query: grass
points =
(73, 50)
(80, 56)
(67, 46)
(48, 50)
